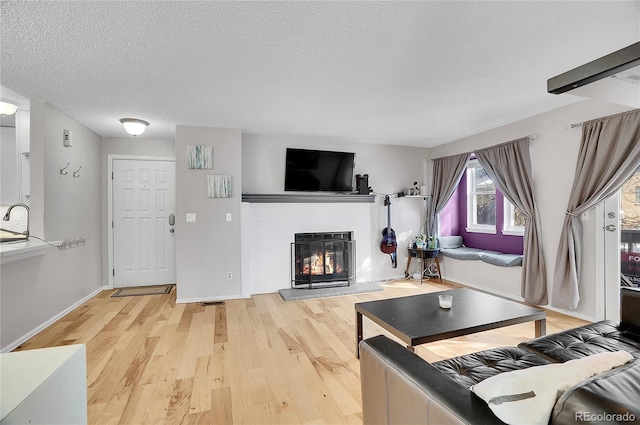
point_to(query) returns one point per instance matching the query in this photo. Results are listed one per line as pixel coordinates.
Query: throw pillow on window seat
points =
(450, 242)
(499, 259)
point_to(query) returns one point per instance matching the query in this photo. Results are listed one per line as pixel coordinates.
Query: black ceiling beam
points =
(610, 64)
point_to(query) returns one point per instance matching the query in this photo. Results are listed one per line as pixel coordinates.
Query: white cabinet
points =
(44, 386)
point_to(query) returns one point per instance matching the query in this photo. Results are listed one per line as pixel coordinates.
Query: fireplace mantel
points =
(306, 198)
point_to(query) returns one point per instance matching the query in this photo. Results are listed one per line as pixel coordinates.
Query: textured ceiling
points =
(408, 73)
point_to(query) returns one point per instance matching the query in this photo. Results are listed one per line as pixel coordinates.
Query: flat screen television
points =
(318, 171)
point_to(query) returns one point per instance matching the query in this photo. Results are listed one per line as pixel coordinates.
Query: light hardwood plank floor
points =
(247, 361)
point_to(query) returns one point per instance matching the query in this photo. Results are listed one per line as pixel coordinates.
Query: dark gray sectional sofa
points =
(398, 387)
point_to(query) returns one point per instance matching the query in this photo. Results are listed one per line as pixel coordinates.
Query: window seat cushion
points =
(490, 257)
(462, 253)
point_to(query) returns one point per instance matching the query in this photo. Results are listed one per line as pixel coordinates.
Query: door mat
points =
(294, 294)
(142, 290)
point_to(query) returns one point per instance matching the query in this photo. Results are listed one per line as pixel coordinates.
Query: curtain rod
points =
(532, 137)
(580, 124)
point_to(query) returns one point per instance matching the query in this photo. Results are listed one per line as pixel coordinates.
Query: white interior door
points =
(143, 223)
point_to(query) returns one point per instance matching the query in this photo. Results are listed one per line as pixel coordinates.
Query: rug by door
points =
(293, 294)
(143, 290)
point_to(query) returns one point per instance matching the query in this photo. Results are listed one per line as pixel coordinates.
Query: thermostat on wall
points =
(66, 138)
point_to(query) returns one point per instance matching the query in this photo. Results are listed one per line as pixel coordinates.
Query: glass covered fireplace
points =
(322, 260)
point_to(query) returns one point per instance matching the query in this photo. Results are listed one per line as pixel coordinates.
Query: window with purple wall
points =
(453, 221)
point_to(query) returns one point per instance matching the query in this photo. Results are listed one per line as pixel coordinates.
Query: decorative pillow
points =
(531, 393)
(503, 260)
(449, 242)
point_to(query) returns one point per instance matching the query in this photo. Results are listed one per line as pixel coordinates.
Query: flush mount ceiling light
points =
(7, 108)
(134, 127)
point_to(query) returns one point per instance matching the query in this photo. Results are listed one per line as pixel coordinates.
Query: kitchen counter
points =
(44, 386)
(15, 251)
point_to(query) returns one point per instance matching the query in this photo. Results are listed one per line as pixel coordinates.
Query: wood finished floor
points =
(247, 361)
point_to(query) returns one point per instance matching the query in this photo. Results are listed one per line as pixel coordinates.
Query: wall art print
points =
(199, 157)
(219, 185)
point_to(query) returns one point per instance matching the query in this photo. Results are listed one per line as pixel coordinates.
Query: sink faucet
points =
(7, 215)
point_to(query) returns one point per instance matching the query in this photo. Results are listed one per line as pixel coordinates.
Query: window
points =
(481, 205)
(481, 200)
(513, 220)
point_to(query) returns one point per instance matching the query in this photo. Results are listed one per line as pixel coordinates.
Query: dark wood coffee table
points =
(418, 319)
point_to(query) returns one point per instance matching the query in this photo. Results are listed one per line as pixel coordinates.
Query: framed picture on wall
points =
(219, 185)
(200, 157)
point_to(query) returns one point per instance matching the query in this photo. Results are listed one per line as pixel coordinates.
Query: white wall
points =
(209, 248)
(37, 290)
(390, 169)
(554, 154)
(124, 146)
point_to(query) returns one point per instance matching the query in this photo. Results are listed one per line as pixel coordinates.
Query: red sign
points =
(630, 266)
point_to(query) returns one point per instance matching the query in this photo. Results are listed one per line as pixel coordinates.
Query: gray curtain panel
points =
(447, 172)
(609, 154)
(509, 166)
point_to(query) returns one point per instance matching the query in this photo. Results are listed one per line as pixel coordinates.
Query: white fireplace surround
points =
(268, 230)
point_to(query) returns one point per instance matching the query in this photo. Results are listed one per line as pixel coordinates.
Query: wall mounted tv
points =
(313, 170)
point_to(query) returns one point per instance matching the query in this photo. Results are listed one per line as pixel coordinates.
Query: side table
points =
(423, 254)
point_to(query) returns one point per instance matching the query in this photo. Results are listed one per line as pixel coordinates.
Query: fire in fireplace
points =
(322, 260)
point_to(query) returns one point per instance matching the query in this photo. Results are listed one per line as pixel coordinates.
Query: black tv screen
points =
(313, 170)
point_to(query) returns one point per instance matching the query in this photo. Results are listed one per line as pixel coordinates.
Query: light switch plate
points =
(66, 138)
(191, 217)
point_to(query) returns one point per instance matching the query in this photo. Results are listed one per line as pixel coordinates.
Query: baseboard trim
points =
(15, 344)
(572, 314)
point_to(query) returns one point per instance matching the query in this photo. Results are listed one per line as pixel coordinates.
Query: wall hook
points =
(76, 173)
(62, 172)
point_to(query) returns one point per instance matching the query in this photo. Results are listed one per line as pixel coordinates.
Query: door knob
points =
(610, 228)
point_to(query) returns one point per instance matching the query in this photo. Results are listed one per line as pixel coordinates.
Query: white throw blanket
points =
(527, 396)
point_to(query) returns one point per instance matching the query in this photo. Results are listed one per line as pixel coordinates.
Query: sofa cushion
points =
(611, 397)
(472, 368)
(450, 242)
(499, 259)
(532, 393)
(583, 341)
